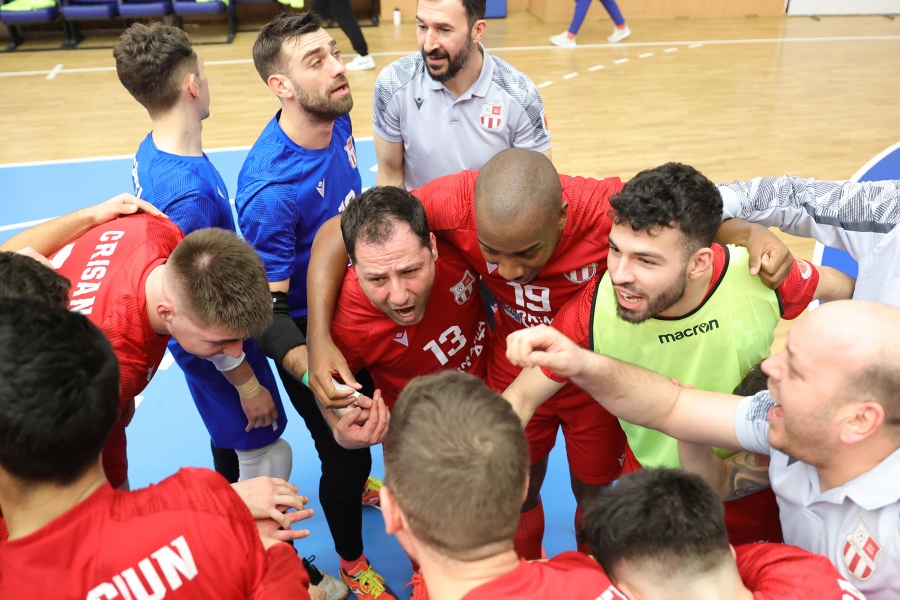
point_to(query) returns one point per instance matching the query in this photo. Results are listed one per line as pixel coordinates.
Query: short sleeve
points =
(750, 424)
(268, 221)
(533, 134)
(193, 212)
(574, 322)
(386, 108)
(531, 130)
(285, 576)
(798, 289)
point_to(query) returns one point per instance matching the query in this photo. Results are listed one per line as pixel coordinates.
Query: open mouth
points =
(341, 90)
(629, 301)
(776, 412)
(406, 314)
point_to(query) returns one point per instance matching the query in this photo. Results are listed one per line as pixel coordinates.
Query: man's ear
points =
(165, 310)
(859, 420)
(281, 86)
(193, 87)
(563, 216)
(434, 250)
(478, 30)
(393, 518)
(700, 262)
(629, 593)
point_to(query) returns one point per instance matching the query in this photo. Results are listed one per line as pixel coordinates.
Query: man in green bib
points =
(675, 301)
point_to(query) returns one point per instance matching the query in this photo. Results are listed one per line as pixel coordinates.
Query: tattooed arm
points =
(732, 478)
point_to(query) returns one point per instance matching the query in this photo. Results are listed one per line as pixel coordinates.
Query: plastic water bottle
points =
(396, 16)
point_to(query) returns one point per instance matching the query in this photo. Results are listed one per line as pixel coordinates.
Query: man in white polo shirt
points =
(451, 106)
(830, 422)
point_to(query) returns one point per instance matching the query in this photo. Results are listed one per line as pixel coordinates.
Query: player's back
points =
(781, 572)
(188, 189)
(190, 536)
(569, 576)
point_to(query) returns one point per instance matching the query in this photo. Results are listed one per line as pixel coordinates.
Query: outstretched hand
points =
(270, 497)
(544, 346)
(325, 363)
(121, 205)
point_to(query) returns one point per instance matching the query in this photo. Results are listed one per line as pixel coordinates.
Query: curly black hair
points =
(671, 195)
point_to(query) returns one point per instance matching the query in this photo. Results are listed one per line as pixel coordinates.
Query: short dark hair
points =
(267, 49)
(474, 10)
(456, 461)
(661, 520)
(372, 215)
(753, 382)
(671, 195)
(59, 392)
(223, 281)
(23, 277)
(151, 61)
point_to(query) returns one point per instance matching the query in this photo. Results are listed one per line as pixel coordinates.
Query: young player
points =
(71, 535)
(676, 301)
(660, 533)
(158, 66)
(142, 282)
(300, 172)
(454, 444)
(536, 238)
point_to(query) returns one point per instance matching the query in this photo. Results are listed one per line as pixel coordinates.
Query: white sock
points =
(274, 460)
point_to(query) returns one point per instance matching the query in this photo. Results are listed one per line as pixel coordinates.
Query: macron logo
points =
(419, 102)
(491, 267)
(220, 193)
(401, 338)
(689, 332)
(321, 188)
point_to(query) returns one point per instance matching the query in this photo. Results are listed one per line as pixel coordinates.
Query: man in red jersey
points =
(660, 533)
(540, 238)
(454, 444)
(408, 306)
(129, 279)
(71, 535)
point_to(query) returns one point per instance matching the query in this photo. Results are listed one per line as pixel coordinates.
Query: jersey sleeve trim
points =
(523, 91)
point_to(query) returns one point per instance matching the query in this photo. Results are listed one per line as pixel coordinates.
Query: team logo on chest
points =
(462, 291)
(351, 151)
(583, 274)
(491, 116)
(861, 549)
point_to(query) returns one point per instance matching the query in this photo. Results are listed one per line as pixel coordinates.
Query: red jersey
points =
(778, 572)
(190, 536)
(581, 254)
(570, 575)
(108, 267)
(451, 335)
(794, 295)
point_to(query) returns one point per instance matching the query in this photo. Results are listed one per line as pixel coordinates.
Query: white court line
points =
(545, 84)
(167, 361)
(570, 75)
(688, 43)
(596, 68)
(646, 55)
(671, 50)
(22, 225)
(620, 61)
(52, 74)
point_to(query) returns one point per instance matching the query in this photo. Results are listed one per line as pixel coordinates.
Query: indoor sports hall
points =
(736, 88)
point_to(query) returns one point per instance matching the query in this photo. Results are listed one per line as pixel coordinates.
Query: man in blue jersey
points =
(299, 173)
(237, 398)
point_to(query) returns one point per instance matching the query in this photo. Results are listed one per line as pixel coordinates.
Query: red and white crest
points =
(491, 115)
(462, 291)
(351, 151)
(583, 274)
(546, 125)
(861, 550)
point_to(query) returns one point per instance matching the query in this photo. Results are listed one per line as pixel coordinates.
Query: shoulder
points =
(397, 75)
(449, 200)
(514, 82)
(342, 126)
(270, 160)
(764, 565)
(589, 208)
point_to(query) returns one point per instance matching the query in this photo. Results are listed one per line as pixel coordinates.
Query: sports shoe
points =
(366, 584)
(619, 34)
(562, 39)
(361, 63)
(419, 591)
(370, 495)
(335, 589)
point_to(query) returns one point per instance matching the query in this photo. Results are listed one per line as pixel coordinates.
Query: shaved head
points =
(516, 184)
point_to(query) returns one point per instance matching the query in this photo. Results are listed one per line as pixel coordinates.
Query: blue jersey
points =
(285, 193)
(190, 191)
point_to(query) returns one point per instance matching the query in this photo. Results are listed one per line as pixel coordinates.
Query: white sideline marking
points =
(374, 168)
(545, 84)
(646, 55)
(167, 361)
(53, 73)
(25, 224)
(695, 45)
(137, 401)
(570, 75)
(671, 50)
(595, 68)
(620, 61)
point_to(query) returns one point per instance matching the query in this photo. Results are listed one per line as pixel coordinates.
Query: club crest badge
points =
(583, 274)
(462, 291)
(861, 551)
(491, 116)
(351, 151)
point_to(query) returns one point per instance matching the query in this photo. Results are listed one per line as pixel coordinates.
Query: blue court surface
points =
(167, 432)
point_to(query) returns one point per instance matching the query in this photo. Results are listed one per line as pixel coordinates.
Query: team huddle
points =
(459, 313)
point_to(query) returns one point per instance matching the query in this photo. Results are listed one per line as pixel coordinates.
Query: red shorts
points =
(115, 458)
(751, 519)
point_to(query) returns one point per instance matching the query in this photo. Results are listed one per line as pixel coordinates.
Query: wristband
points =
(249, 389)
(305, 379)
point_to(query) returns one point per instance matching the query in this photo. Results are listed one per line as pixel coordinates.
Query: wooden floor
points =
(759, 97)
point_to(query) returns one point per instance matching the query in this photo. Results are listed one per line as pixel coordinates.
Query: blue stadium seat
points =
(191, 7)
(136, 9)
(13, 18)
(82, 10)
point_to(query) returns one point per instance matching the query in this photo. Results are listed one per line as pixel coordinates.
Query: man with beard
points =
(830, 421)
(477, 103)
(675, 301)
(299, 173)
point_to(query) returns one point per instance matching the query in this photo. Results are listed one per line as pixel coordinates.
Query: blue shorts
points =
(219, 403)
